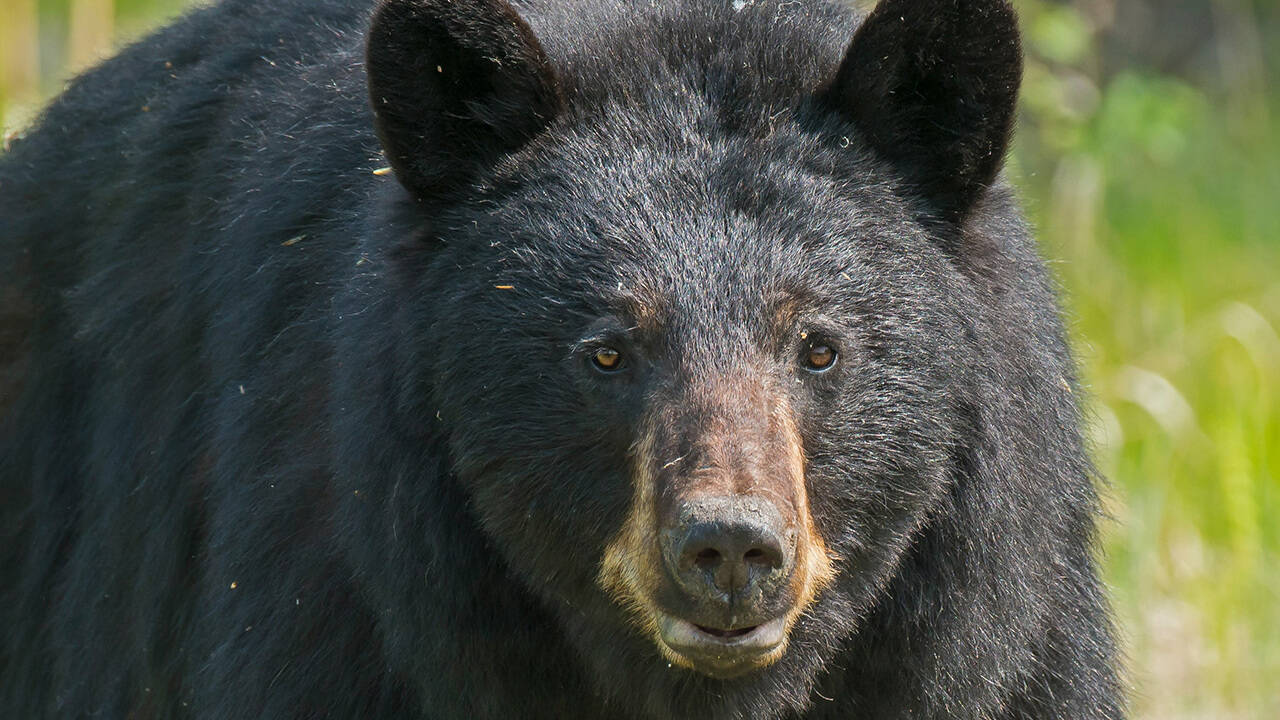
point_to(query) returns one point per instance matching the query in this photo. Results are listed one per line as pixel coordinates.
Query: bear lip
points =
(723, 653)
(725, 634)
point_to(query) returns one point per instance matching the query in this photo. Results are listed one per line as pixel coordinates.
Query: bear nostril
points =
(707, 559)
(765, 557)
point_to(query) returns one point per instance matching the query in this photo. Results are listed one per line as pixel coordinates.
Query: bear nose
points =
(729, 546)
(730, 555)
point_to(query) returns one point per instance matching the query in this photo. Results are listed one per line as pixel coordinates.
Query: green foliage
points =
(43, 41)
(1157, 199)
(1156, 196)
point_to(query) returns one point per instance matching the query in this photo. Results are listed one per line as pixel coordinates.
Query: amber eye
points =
(820, 358)
(607, 360)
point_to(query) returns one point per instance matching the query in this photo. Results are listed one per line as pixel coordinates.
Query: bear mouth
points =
(722, 652)
(726, 634)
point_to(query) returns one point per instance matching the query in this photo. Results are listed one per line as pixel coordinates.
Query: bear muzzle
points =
(718, 556)
(728, 562)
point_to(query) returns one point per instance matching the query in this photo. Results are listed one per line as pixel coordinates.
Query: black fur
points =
(281, 437)
(465, 78)
(932, 87)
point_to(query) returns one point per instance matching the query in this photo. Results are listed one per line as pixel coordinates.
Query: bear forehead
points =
(684, 212)
(752, 52)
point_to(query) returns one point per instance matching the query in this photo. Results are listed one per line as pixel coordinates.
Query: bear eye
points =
(820, 358)
(607, 360)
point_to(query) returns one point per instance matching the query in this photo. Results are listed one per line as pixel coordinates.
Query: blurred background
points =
(1149, 157)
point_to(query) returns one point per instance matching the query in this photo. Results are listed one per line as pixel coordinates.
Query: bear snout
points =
(729, 558)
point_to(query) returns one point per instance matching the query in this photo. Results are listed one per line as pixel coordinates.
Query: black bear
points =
(475, 359)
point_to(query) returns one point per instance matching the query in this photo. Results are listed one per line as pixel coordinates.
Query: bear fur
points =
(295, 420)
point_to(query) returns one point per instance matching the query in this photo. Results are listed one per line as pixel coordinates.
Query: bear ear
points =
(933, 85)
(455, 84)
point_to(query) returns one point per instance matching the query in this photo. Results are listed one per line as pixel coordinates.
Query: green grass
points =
(1174, 287)
(1159, 205)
